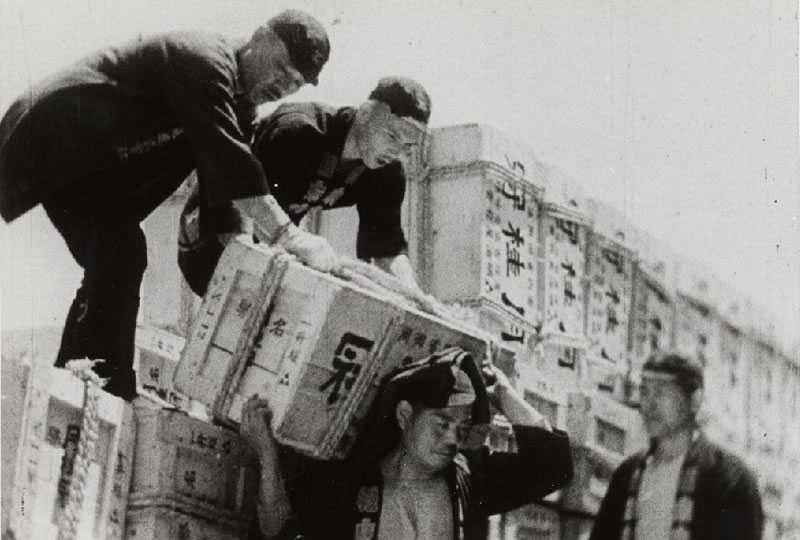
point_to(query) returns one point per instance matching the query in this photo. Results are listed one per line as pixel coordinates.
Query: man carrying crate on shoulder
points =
(414, 473)
(315, 155)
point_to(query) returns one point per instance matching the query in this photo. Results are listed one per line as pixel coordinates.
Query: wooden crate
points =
(14, 380)
(157, 355)
(183, 460)
(482, 234)
(764, 399)
(598, 421)
(609, 272)
(562, 256)
(320, 349)
(48, 445)
(534, 522)
(555, 368)
(174, 521)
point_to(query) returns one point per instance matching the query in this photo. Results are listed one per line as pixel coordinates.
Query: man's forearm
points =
(519, 412)
(273, 505)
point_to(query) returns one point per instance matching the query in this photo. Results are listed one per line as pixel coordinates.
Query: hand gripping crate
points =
(162, 522)
(317, 344)
(533, 522)
(481, 224)
(562, 256)
(49, 442)
(186, 461)
(609, 272)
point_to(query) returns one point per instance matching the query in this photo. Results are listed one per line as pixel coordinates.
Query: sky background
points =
(683, 114)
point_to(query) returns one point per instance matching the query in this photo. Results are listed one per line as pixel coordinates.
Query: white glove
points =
(313, 250)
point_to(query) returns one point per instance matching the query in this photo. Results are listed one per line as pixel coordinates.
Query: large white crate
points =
(554, 368)
(177, 522)
(48, 444)
(598, 421)
(697, 333)
(157, 354)
(481, 231)
(726, 393)
(609, 271)
(318, 345)
(183, 460)
(562, 256)
(457, 146)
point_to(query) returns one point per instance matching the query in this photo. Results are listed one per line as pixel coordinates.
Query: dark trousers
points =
(99, 218)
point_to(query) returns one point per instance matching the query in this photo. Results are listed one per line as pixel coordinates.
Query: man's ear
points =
(404, 413)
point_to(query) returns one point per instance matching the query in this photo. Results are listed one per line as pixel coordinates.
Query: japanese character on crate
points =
(564, 279)
(510, 248)
(347, 362)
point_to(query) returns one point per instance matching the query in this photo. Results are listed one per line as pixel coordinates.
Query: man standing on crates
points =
(104, 142)
(421, 471)
(320, 156)
(684, 487)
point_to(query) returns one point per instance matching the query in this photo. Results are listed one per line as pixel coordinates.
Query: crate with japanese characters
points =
(534, 522)
(157, 354)
(184, 460)
(162, 522)
(562, 256)
(555, 367)
(508, 331)
(481, 230)
(609, 272)
(49, 442)
(596, 420)
(652, 318)
(319, 349)
(468, 144)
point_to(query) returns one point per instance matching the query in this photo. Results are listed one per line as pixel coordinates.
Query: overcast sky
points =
(683, 114)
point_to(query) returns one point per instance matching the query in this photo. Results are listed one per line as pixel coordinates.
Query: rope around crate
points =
(68, 526)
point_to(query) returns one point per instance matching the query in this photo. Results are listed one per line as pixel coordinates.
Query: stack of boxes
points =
(513, 246)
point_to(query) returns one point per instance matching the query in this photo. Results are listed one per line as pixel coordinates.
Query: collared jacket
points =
(725, 501)
(170, 98)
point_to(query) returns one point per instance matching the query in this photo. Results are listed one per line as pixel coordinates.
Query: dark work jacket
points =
(727, 505)
(332, 498)
(169, 98)
(300, 145)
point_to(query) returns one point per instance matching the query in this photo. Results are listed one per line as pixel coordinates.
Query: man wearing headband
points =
(316, 155)
(101, 144)
(684, 487)
(420, 469)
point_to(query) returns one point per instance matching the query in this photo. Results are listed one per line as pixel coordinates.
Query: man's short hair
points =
(688, 371)
(404, 96)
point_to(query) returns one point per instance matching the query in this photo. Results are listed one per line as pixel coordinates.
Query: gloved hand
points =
(313, 250)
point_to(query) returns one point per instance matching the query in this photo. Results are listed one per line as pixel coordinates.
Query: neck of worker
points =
(674, 444)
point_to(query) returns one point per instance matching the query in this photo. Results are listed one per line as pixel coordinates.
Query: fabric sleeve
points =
(542, 464)
(196, 74)
(284, 145)
(380, 230)
(740, 515)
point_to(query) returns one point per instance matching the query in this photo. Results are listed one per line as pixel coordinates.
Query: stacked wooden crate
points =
(52, 426)
(318, 345)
